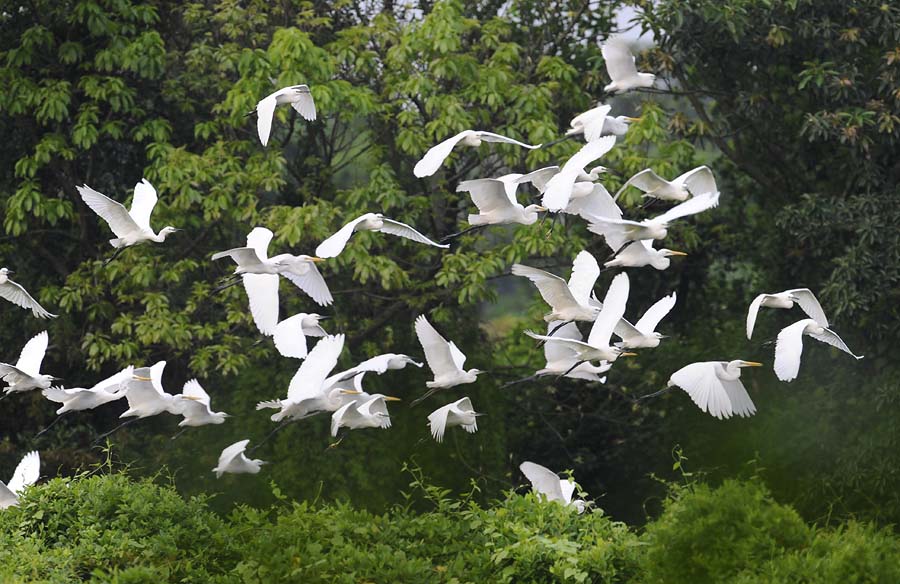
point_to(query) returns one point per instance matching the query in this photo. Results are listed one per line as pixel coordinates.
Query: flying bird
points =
(298, 96)
(25, 475)
(232, 460)
(715, 386)
(458, 413)
(435, 157)
(694, 182)
(497, 203)
(16, 294)
(335, 244)
(789, 346)
(642, 334)
(563, 360)
(568, 300)
(371, 413)
(26, 374)
(638, 254)
(290, 334)
(80, 398)
(566, 185)
(195, 406)
(444, 359)
(803, 297)
(146, 396)
(382, 363)
(547, 483)
(620, 65)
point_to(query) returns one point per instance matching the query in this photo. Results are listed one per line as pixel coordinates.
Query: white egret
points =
(547, 483)
(17, 294)
(566, 184)
(233, 461)
(642, 335)
(434, 158)
(78, 398)
(297, 95)
(715, 386)
(596, 123)
(620, 65)
(639, 254)
(131, 227)
(568, 300)
(563, 360)
(800, 296)
(598, 346)
(789, 346)
(196, 408)
(25, 475)
(260, 276)
(693, 182)
(541, 176)
(290, 334)
(146, 396)
(444, 359)
(497, 203)
(335, 244)
(382, 363)
(371, 413)
(26, 374)
(458, 413)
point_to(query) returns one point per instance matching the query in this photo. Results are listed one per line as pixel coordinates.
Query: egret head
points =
(626, 119)
(167, 231)
(312, 259)
(740, 363)
(535, 209)
(6, 272)
(595, 172)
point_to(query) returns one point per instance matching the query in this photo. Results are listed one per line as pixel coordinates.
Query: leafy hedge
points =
(114, 529)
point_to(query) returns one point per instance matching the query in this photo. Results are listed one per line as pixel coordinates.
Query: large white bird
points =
(146, 396)
(694, 182)
(598, 346)
(800, 296)
(335, 244)
(382, 363)
(566, 184)
(547, 483)
(17, 294)
(789, 346)
(563, 360)
(25, 475)
(131, 227)
(459, 413)
(234, 461)
(639, 254)
(596, 123)
(371, 413)
(568, 300)
(715, 386)
(26, 374)
(435, 156)
(196, 408)
(444, 358)
(79, 398)
(297, 95)
(260, 276)
(620, 65)
(290, 334)
(642, 334)
(497, 203)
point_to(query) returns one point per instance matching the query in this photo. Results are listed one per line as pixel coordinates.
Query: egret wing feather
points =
(142, 204)
(650, 320)
(399, 229)
(753, 312)
(26, 473)
(434, 158)
(32, 354)
(17, 294)
(113, 212)
(692, 206)
(262, 291)
(585, 272)
(265, 111)
(613, 309)
(543, 481)
(789, 349)
(810, 305)
(437, 350)
(336, 242)
(310, 376)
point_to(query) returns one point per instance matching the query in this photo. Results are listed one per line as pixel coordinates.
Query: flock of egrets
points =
(714, 386)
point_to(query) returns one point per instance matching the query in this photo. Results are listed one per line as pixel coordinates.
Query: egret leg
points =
(114, 255)
(518, 381)
(557, 141)
(119, 427)
(572, 368)
(335, 444)
(620, 250)
(428, 394)
(250, 113)
(649, 203)
(228, 283)
(284, 424)
(179, 433)
(654, 394)
(460, 233)
(351, 376)
(50, 425)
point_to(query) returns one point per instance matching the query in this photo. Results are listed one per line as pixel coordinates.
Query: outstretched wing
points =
(810, 305)
(308, 380)
(753, 312)
(262, 291)
(437, 421)
(346, 414)
(437, 350)
(232, 452)
(491, 137)
(195, 391)
(335, 243)
(543, 481)
(17, 294)
(646, 180)
(142, 204)
(27, 473)
(699, 181)
(554, 352)
(612, 311)
(700, 382)
(619, 60)
(312, 283)
(741, 404)
(114, 213)
(436, 155)
(585, 272)
(289, 337)
(259, 239)
(788, 349)
(692, 206)
(574, 345)
(265, 111)
(830, 337)
(598, 203)
(403, 230)
(559, 188)
(305, 105)
(488, 194)
(649, 321)
(538, 177)
(33, 354)
(554, 290)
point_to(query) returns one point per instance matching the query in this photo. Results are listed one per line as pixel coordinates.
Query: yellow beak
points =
(542, 208)
(391, 398)
(350, 391)
(139, 378)
(317, 260)
(632, 119)
(752, 364)
(627, 354)
(677, 253)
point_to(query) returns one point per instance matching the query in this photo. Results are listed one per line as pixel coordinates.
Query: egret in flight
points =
(233, 461)
(570, 300)
(195, 406)
(563, 360)
(26, 374)
(642, 334)
(620, 65)
(290, 334)
(444, 359)
(639, 254)
(16, 294)
(131, 227)
(79, 398)
(435, 157)
(297, 95)
(335, 244)
(715, 386)
(458, 413)
(596, 123)
(547, 483)
(146, 396)
(497, 203)
(566, 185)
(371, 413)
(694, 182)
(789, 346)
(803, 297)
(380, 364)
(26, 474)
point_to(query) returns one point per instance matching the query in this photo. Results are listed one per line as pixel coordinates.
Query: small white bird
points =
(131, 227)
(642, 335)
(598, 346)
(563, 360)
(335, 244)
(232, 460)
(620, 231)
(79, 398)
(639, 254)
(692, 183)
(382, 363)
(16, 294)
(371, 413)
(569, 183)
(568, 300)
(547, 483)
(195, 406)
(260, 276)
(800, 296)
(297, 95)
(25, 475)
(146, 396)
(459, 413)
(621, 68)
(789, 346)
(444, 358)
(596, 123)
(435, 157)
(497, 203)
(715, 386)
(26, 374)
(290, 334)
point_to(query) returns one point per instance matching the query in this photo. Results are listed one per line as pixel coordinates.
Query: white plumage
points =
(444, 359)
(458, 413)
(335, 244)
(290, 334)
(17, 294)
(196, 408)
(561, 358)
(789, 346)
(131, 227)
(715, 386)
(234, 461)
(566, 184)
(568, 300)
(146, 396)
(297, 95)
(693, 182)
(496, 201)
(547, 483)
(434, 158)
(26, 474)
(79, 398)
(369, 413)
(26, 374)
(642, 334)
(800, 296)
(620, 66)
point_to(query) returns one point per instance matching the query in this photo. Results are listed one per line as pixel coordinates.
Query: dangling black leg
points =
(179, 433)
(50, 425)
(572, 368)
(460, 233)
(119, 427)
(654, 394)
(114, 255)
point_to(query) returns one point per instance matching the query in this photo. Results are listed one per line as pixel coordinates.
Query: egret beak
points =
(317, 260)
(139, 378)
(752, 364)
(542, 209)
(677, 253)
(190, 397)
(391, 398)
(10, 271)
(632, 119)
(350, 391)
(627, 354)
